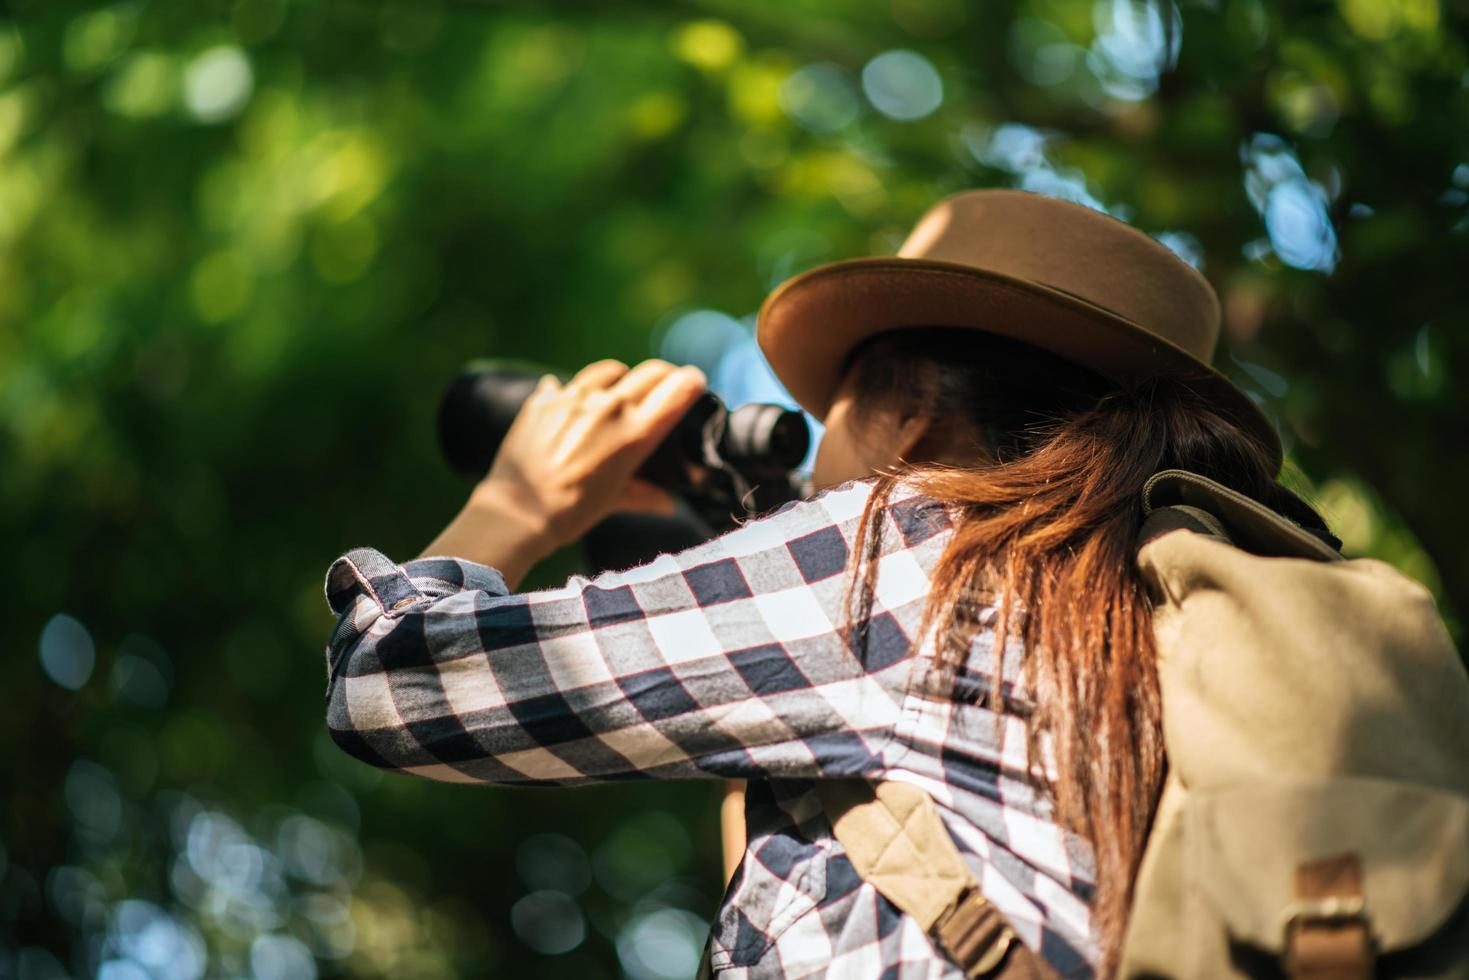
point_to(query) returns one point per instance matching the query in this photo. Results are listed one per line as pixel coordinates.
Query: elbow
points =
(361, 744)
(356, 715)
(361, 714)
(403, 698)
(387, 706)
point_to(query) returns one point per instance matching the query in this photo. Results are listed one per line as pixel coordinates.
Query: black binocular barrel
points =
(759, 441)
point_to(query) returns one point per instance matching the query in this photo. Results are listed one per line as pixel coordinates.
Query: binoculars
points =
(723, 465)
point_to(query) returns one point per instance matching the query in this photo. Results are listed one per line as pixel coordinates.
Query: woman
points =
(994, 398)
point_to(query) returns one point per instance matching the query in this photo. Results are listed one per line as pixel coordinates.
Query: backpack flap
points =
(1247, 844)
(1288, 668)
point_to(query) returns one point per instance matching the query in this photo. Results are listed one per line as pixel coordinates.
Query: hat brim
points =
(809, 323)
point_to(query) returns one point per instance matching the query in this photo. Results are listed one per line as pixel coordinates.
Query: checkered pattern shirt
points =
(726, 660)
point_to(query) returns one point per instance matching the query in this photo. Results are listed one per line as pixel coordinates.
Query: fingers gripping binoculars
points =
(723, 465)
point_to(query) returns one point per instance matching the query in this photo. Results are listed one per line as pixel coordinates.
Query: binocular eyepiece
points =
(726, 465)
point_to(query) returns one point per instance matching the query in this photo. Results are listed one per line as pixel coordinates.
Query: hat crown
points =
(1080, 251)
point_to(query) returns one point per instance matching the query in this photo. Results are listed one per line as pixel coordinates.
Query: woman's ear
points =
(916, 440)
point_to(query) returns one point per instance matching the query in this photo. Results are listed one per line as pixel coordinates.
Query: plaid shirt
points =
(725, 661)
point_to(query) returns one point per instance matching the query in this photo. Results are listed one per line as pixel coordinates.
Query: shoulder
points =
(903, 516)
(805, 541)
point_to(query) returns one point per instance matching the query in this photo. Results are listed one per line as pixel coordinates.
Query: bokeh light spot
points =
(725, 350)
(333, 933)
(640, 854)
(655, 114)
(67, 652)
(819, 98)
(1299, 229)
(1136, 41)
(143, 85)
(154, 939)
(218, 83)
(663, 944)
(1184, 245)
(549, 922)
(122, 970)
(902, 85)
(317, 852)
(141, 674)
(1294, 207)
(711, 45)
(754, 91)
(553, 862)
(701, 338)
(95, 38)
(277, 957)
(1378, 20)
(1041, 52)
(75, 893)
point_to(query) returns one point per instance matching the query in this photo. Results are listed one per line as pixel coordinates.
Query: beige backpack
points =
(1315, 819)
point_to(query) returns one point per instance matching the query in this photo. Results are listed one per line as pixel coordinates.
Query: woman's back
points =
(727, 660)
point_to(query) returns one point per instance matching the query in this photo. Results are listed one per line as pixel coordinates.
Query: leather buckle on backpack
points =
(1328, 911)
(1328, 936)
(974, 934)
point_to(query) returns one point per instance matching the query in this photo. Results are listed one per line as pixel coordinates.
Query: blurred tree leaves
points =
(243, 244)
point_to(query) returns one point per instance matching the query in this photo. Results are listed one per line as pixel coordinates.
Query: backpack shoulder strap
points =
(896, 841)
(1161, 520)
(1231, 515)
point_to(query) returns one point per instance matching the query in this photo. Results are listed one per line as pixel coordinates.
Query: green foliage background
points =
(243, 244)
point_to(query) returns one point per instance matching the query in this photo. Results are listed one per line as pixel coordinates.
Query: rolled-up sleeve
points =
(723, 660)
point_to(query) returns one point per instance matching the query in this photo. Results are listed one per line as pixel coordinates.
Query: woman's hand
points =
(568, 461)
(569, 458)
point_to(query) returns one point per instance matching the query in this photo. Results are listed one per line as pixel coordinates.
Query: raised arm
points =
(723, 660)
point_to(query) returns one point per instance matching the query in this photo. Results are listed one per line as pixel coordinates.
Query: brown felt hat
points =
(1055, 274)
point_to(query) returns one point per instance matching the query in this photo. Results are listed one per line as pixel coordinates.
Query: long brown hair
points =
(1046, 529)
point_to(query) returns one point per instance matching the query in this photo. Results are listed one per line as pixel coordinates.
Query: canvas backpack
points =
(1315, 818)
